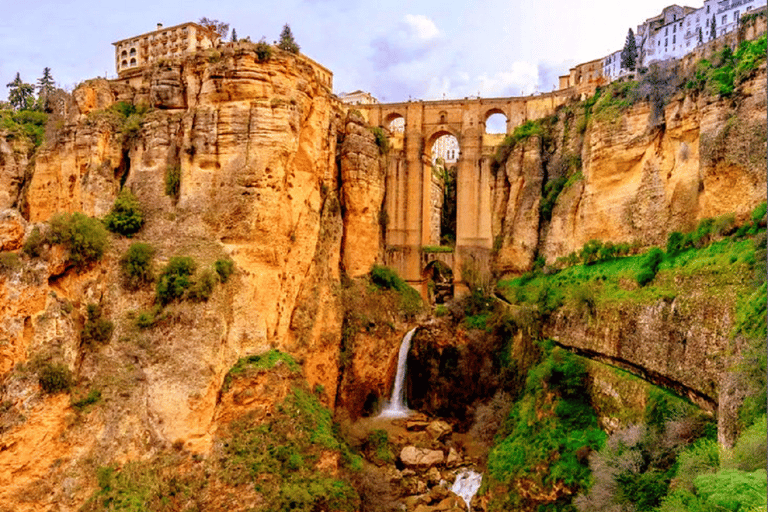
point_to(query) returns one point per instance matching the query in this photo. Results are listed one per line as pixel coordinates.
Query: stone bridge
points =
(409, 182)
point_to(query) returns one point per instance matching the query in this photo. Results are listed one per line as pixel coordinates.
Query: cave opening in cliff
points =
(445, 154)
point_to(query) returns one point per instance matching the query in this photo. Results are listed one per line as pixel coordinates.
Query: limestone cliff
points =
(263, 157)
(636, 175)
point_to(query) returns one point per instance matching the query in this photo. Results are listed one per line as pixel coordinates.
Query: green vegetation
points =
(727, 69)
(377, 448)
(54, 378)
(97, 329)
(263, 50)
(9, 261)
(136, 264)
(287, 42)
(616, 99)
(382, 141)
(202, 289)
(260, 362)
(126, 217)
(175, 278)
(435, 249)
(385, 278)
(173, 181)
(93, 397)
(549, 432)
(24, 125)
(224, 268)
(521, 134)
(85, 238)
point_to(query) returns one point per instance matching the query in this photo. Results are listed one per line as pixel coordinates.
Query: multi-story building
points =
(582, 74)
(358, 98)
(672, 34)
(137, 52)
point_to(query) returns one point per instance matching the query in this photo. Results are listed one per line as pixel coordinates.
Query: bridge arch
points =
(394, 122)
(496, 121)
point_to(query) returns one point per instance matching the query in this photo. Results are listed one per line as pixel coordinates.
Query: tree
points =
(220, 27)
(45, 87)
(287, 42)
(712, 28)
(21, 95)
(234, 35)
(629, 53)
(701, 36)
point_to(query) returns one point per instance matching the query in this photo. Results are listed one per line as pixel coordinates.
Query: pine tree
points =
(234, 35)
(45, 87)
(712, 29)
(701, 36)
(21, 95)
(287, 42)
(629, 53)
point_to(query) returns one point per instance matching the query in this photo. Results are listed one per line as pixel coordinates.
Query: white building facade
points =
(677, 31)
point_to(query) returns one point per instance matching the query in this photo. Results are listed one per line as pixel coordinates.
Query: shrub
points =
(175, 278)
(147, 319)
(224, 268)
(54, 378)
(85, 238)
(263, 50)
(202, 289)
(9, 261)
(733, 490)
(702, 457)
(749, 453)
(126, 217)
(97, 330)
(34, 243)
(136, 264)
(650, 266)
(381, 139)
(93, 396)
(675, 243)
(173, 181)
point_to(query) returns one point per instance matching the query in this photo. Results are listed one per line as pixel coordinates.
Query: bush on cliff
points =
(85, 238)
(126, 217)
(175, 279)
(136, 264)
(97, 330)
(387, 279)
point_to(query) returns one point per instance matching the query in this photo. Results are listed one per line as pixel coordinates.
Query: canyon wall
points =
(643, 174)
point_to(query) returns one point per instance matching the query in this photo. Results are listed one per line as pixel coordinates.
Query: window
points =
(725, 19)
(674, 39)
(674, 28)
(666, 31)
(666, 42)
(707, 9)
(736, 16)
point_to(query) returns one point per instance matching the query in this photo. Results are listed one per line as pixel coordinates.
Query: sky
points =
(397, 50)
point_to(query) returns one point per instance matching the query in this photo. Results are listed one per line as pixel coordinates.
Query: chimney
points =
(159, 26)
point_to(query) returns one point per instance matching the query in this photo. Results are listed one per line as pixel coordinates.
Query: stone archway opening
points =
(496, 123)
(445, 153)
(395, 123)
(439, 277)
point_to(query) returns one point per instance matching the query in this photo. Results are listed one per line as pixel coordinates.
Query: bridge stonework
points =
(409, 176)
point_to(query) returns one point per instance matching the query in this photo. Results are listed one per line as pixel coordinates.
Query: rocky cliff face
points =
(643, 174)
(261, 181)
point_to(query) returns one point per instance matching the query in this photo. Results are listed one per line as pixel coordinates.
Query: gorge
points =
(242, 377)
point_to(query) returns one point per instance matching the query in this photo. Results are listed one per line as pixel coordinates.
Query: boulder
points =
(420, 458)
(438, 429)
(453, 459)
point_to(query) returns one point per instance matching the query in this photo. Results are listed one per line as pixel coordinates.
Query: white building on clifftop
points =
(137, 52)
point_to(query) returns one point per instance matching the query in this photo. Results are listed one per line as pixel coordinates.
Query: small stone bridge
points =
(408, 202)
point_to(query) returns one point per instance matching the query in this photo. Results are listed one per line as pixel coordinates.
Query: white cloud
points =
(424, 28)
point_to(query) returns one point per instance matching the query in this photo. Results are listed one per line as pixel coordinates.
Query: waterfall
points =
(466, 485)
(396, 407)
